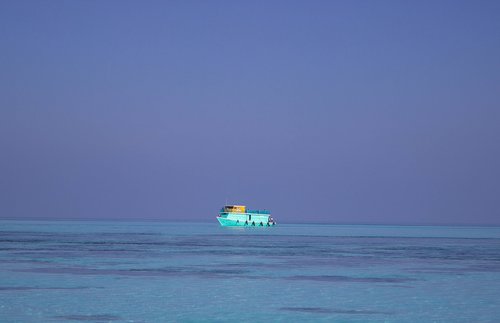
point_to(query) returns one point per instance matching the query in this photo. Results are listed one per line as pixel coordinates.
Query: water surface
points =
(70, 271)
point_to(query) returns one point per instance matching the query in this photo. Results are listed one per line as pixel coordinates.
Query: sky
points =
(350, 112)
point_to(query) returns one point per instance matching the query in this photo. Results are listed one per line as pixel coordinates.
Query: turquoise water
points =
(69, 271)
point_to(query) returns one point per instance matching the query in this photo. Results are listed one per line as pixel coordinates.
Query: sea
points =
(112, 271)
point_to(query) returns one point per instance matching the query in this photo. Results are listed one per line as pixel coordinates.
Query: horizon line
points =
(279, 222)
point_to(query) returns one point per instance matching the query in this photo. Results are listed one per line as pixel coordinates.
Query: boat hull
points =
(244, 220)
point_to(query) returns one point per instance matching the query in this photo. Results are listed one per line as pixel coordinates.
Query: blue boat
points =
(238, 215)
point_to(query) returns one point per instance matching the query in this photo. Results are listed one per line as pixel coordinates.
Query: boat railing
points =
(223, 210)
(259, 211)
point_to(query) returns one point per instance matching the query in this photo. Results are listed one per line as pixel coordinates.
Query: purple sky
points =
(321, 111)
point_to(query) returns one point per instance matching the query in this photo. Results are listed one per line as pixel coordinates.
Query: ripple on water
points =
(93, 318)
(323, 310)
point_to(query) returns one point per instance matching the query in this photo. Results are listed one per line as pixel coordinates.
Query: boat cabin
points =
(235, 208)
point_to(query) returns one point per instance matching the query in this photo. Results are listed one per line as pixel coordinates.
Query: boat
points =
(240, 216)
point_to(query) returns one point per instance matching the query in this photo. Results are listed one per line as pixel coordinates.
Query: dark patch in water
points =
(98, 318)
(322, 310)
(399, 286)
(173, 271)
(488, 268)
(23, 288)
(334, 278)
